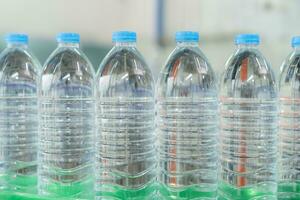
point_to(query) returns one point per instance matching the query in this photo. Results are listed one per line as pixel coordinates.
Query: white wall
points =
(219, 20)
(93, 19)
(216, 20)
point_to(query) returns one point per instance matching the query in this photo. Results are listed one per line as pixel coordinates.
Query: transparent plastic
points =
(19, 71)
(67, 123)
(125, 144)
(289, 131)
(187, 125)
(248, 137)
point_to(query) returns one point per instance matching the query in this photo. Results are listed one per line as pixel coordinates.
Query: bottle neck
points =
(125, 44)
(247, 46)
(17, 45)
(68, 44)
(187, 44)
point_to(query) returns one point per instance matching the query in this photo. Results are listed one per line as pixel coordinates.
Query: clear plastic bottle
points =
(248, 137)
(187, 125)
(125, 144)
(67, 108)
(289, 129)
(19, 71)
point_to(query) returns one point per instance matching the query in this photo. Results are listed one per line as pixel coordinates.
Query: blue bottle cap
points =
(16, 38)
(124, 36)
(187, 36)
(247, 39)
(68, 38)
(295, 41)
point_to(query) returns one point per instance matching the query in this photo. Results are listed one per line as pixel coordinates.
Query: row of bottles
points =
(114, 135)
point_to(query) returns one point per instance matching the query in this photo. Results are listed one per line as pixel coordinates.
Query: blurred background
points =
(155, 21)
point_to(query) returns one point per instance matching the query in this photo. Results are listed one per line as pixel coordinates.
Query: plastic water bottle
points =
(125, 144)
(18, 115)
(187, 125)
(66, 141)
(289, 126)
(248, 137)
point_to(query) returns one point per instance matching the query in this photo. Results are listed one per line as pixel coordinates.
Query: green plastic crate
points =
(8, 195)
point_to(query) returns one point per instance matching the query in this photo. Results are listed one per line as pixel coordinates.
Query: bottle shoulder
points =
(290, 66)
(67, 59)
(122, 59)
(67, 68)
(290, 75)
(187, 72)
(124, 73)
(248, 75)
(252, 57)
(19, 64)
(190, 59)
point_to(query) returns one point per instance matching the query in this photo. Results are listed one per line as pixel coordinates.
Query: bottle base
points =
(19, 183)
(262, 191)
(81, 190)
(187, 193)
(289, 191)
(113, 192)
